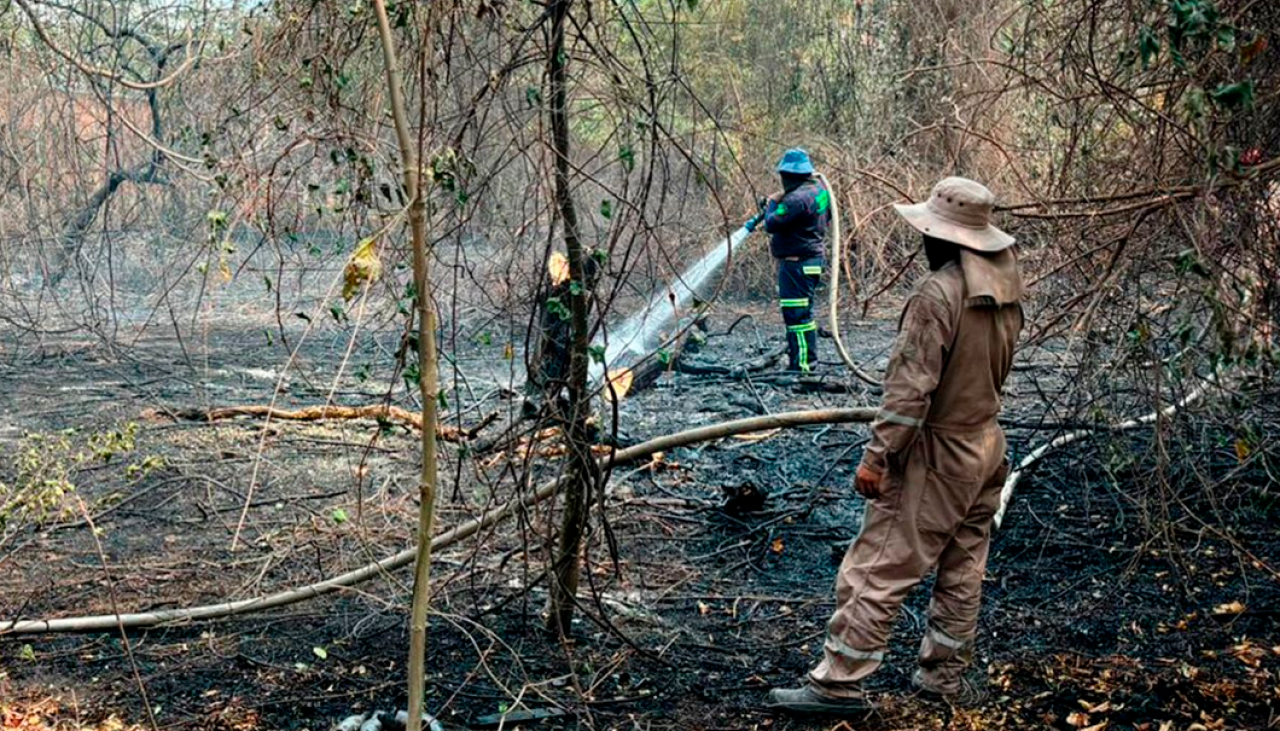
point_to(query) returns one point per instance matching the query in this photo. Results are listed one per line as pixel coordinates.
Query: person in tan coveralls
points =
(934, 467)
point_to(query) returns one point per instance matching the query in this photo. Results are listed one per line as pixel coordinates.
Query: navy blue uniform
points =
(799, 224)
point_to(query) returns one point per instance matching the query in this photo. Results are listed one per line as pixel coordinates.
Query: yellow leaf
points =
(509, 352)
(1078, 719)
(777, 545)
(703, 608)
(364, 266)
(1232, 608)
(558, 268)
(1242, 450)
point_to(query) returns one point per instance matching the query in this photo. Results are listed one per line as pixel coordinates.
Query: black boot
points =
(809, 702)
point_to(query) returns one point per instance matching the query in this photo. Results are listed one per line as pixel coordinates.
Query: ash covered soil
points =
(690, 611)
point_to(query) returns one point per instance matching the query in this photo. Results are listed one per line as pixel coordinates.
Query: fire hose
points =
(833, 296)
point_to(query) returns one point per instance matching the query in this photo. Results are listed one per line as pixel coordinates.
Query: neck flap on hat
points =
(991, 280)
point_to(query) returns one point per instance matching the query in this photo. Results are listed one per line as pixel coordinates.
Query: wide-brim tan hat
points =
(958, 210)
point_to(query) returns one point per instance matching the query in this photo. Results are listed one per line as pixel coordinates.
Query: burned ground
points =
(1091, 617)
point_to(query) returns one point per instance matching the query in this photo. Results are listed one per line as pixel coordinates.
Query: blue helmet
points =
(795, 161)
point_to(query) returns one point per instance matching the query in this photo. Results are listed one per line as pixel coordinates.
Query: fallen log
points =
(377, 412)
(116, 622)
(760, 363)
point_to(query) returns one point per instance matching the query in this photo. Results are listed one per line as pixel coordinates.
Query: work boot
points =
(968, 690)
(809, 702)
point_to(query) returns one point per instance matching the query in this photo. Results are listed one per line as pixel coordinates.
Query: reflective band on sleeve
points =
(892, 418)
(814, 271)
(795, 302)
(803, 327)
(835, 645)
(781, 210)
(946, 640)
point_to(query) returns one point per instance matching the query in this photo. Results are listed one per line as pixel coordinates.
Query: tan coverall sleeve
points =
(915, 366)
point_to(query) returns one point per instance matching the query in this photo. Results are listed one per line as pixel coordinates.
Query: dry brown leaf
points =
(1232, 608)
(1078, 719)
(1098, 726)
(1249, 654)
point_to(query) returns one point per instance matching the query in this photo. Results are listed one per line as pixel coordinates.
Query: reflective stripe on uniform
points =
(794, 302)
(835, 645)
(802, 342)
(813, 270)
(823, 200)
(892, 418)
(946, 640)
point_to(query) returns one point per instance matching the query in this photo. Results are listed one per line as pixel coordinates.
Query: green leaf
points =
(532, 96)
(664, 356)
(217, 219)
(27, 653)
(557, 308)
(266, 279)
(412, 375)
(320, 652)
(337, 312)
(1148, 46)
(1194, 102)
(339, 516)
(628, 157)
(443, 400)
(606, 208)
(601, 256)
(575, 287)
(693, 4)
(1226, 39)
(597, 353)
(1234, 96)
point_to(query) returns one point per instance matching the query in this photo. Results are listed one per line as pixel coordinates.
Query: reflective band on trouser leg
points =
(946, 640)
(813, 271)
(794, 302)
(801, 332)
(892, 418)
(836, 646)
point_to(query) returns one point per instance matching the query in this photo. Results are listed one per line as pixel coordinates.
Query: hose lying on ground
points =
(833, 296)
(111, 622)
(1006, 493)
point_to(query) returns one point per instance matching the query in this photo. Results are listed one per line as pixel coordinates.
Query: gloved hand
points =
(753, 223)
(868, 481)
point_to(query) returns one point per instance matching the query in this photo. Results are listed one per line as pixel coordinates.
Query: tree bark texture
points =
(427, 362)
(582, 466)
